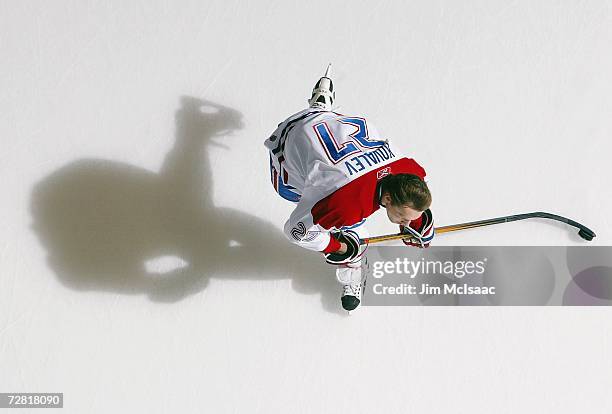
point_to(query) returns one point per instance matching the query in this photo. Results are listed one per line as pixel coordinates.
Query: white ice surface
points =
(107, 169)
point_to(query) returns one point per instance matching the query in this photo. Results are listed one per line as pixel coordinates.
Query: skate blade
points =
(352, 312)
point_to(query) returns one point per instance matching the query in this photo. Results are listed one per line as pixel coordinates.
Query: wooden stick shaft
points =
(584, 232)
(438, 230)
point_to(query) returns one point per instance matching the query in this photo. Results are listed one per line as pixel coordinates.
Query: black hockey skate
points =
(351, 296)
(323, 95)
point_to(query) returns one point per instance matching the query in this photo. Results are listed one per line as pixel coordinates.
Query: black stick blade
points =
(586, 234)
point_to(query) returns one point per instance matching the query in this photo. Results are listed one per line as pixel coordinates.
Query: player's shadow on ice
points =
(103, 221)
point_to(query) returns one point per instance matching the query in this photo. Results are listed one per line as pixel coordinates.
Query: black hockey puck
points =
(586, 234)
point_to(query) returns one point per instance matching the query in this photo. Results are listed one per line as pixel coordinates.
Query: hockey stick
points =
(583, 231)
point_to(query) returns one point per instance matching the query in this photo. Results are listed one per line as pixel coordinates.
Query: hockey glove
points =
(354, 250)
(421, 233)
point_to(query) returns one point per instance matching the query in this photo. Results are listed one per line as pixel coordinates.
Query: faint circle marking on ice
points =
(521, 277)
(592, 286)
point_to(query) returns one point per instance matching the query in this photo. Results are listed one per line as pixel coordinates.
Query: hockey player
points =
(339, 170)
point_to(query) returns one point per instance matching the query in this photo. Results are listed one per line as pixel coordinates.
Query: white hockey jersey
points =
(330, 164)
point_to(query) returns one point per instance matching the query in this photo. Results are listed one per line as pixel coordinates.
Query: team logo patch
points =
(383, 173)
